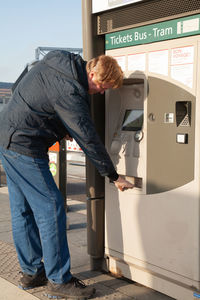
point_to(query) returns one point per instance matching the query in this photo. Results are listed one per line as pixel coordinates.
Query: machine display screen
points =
(133, 120)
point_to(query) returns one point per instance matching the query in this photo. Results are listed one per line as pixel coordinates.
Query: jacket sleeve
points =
(73, 109)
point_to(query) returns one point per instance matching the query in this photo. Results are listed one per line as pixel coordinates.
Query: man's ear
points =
(91, 74)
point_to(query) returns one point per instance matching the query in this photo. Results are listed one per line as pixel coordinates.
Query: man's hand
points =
(122, 184)
(68, 137)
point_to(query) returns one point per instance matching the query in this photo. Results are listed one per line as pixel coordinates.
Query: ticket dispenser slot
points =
(127, 137)
(183, 113)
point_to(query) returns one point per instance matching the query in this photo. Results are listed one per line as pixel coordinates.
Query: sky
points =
(28, 24)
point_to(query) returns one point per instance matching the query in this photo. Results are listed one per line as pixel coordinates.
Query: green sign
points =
(162, 31)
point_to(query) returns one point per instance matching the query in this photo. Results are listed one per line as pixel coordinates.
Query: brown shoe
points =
(31, 281)
(74, 289)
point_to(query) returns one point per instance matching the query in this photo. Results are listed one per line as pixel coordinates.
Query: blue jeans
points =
(38, 216)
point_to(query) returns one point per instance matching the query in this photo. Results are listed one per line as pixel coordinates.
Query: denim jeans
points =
(38, 216)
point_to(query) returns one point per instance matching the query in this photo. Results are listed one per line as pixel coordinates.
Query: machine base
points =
(160, 283)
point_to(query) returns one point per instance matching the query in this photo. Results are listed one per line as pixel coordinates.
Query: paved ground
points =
(107, 286)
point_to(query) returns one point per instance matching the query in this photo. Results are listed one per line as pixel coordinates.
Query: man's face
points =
(94, 86)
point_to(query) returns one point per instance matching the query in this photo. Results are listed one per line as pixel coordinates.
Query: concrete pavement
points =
(107, 287)
(10, 291)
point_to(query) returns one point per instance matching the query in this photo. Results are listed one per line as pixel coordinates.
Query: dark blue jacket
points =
(49, 102)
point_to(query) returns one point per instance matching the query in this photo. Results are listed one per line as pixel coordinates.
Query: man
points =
(51, 102)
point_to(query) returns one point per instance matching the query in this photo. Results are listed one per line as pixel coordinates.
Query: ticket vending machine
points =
(152, 232)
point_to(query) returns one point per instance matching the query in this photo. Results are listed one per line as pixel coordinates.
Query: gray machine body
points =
(153, 137)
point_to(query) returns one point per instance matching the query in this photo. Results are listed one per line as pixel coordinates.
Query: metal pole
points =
(92, 47)
(37, 53)
(63, 171)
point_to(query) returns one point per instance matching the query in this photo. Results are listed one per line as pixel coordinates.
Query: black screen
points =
(133, 120)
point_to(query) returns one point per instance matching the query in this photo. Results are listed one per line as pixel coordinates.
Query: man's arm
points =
(74, 112)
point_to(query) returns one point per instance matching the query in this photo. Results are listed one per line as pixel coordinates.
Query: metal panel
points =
(169, 164)
(144, 13)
